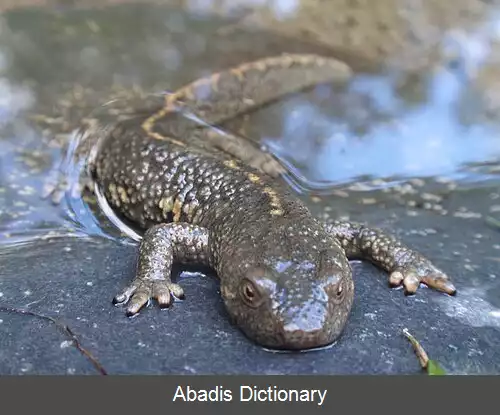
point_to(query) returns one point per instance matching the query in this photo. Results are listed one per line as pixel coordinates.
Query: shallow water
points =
(387, 138)
(59, 64)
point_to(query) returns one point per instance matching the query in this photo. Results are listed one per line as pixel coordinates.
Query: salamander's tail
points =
(235, 91)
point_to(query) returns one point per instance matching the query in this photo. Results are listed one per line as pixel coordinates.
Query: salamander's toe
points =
(421, 271)
(139, 294)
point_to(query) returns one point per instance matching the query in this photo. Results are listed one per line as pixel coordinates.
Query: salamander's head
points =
(291, 304)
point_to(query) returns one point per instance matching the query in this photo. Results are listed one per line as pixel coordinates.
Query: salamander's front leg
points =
(160, 246)
(403, 264)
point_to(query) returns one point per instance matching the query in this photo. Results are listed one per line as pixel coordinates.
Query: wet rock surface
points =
(73, 280)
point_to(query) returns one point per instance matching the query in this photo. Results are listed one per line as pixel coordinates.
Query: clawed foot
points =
(62, 183)
(140, 292)
(411, 275)
(55, 190)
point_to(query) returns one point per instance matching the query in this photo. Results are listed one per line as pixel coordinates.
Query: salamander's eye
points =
(340, 291)
(251, 293)
(336, 290)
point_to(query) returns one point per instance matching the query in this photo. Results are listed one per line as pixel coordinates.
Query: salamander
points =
(205, 196)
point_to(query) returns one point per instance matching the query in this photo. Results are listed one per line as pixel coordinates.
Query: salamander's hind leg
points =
(59, 183)
(404, 265)
(244, 150)
(160, 246)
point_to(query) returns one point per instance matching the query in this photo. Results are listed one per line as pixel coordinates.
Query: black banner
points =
(246, 394)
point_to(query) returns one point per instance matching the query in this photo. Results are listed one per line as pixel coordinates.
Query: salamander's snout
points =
(316, 316)
(308, 327)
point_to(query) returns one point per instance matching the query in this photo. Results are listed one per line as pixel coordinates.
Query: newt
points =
(204, 196)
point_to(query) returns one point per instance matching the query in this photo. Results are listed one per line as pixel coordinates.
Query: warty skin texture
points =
(284, 276)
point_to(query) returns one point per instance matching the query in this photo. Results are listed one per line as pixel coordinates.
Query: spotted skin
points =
(284, 276)
(404, 266)
(161, 243)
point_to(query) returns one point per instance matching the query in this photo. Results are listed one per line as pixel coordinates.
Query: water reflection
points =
(416, 140)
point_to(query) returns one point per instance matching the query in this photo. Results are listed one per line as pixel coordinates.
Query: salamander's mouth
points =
(298, 341)
(300, 350)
